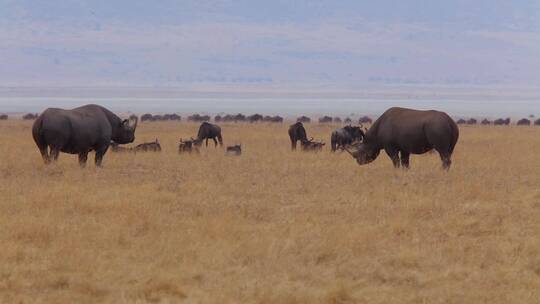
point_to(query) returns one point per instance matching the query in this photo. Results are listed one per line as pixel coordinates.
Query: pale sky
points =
(275, 43)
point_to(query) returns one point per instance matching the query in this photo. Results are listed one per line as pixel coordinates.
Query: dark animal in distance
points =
(310, 145)
(209, 131)
(486, 122)
(297, 133)
(3, 117)
(198, 118)
(303, 119)
(461, 121)
(524, 122)
(347, 120)
(472, 121)
(30, 116)
(234, 150)
(345, 136)
(365, 120)
(276, 119)
(148, 147)
(337, 119)
(187, 146)
(325, 119)
(401, 131)
(537, 122)
(255, 118)
(80, 130)
(500, 122)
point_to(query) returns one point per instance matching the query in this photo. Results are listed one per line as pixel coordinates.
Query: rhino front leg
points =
(99, 155)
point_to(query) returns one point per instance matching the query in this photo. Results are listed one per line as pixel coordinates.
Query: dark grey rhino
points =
(79, 131)
(401, 131)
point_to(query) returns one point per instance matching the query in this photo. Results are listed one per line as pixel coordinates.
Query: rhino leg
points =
(215, 142)
(394, 155)
(405, 159)
(45, 154)
(83, 157)
(446, 160)
(100, 152)
(54, 154)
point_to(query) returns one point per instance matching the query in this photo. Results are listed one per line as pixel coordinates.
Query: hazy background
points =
(476, 51)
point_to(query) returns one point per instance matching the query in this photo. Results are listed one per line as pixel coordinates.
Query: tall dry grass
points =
(271, 226)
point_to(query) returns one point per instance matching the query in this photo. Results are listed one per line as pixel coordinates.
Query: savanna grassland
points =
(271, 226)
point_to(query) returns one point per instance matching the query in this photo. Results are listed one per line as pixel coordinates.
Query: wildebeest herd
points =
(400, 132)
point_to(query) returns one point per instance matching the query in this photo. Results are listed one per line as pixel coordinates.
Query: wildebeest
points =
(401, 131)
(30, 116)
(3, 117)
(234, 150)
(365, 119)
(146, 117)
(80, 130)
(187, 146)
(471, 121)
(303, 119)
(148, 147)
(198, 118)
(345, 136)
(297, 133)
(337, 119)
(537, 122)
(347, 120)
(276, 119)
(207, 131)
(255, 118)
(524, 122)
(500, 121)
(461, 121)
(217, 118)
(117, 148)
(325, 119)
(486, 122)
(310, 145)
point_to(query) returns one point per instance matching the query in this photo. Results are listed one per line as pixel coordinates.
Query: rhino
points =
(79, 131)
(401, 131)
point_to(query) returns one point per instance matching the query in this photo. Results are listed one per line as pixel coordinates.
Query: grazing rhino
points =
(297, 133)
(148, 147)
(310, 145)
(345, 136)
(405, 131)
(207, 131)
(235, 150)
(79, 131)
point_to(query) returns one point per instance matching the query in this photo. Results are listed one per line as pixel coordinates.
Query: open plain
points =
(271, 226)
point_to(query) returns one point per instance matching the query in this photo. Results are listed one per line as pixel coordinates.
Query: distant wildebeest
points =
(310, 145)
(303, 119)
(345, 136)
(217, 118)
(148, 147)
(461, 121)
(537, 122)
(3, 117)
(117, 148)
(187, 146)
(146, 117)
(209, 131)
(500, 122)
(255, 118)
(234, 150)
(486, 121)
(364, 120)
(80, 130)
(337, 119)
(198, 118)
(157, 117)
(297, 133)
(239, 117)
(347, 120)
(325, 119)
(401, 131)
(524, 122)
(30, 116)
(277, 119)
(472, 121)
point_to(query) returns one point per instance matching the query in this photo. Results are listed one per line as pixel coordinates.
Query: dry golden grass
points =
(271, 226)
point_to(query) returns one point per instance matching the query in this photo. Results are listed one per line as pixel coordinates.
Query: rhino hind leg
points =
(83, 157)
(45, 154)
(55, 151)
(405, 160)
(446, 160)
